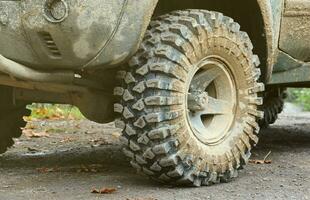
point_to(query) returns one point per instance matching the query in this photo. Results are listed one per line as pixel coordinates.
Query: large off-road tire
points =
(11, 118)
(273, 106)
(189, 99)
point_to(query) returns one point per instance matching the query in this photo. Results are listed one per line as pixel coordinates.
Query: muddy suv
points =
(184, 80)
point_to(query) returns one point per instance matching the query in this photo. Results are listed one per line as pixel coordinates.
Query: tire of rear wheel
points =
(11, 119)
(272, 107)
(156, 133)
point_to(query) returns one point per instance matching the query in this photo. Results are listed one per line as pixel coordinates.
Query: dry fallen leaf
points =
(30, 126)
(260, 161)
(103, 191)
(264, 161)
(30, 133)
(55, 116)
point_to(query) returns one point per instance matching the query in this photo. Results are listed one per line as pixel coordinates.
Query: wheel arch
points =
(251, 15)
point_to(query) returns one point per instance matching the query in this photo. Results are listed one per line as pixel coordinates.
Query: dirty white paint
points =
(81, 48)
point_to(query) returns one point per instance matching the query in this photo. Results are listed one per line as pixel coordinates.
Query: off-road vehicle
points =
(184, 80)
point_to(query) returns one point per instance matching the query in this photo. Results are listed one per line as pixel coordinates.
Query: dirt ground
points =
(67, 159)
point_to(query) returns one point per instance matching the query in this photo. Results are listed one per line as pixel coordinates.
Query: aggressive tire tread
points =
(159, 70)
(273, 106)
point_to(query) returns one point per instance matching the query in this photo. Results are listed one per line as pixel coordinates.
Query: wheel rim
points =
(211, 100)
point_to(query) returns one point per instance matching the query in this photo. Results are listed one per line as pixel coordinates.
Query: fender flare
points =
(271, 47)
(269, 13)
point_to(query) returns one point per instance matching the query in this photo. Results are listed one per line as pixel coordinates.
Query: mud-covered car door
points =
(295, 29)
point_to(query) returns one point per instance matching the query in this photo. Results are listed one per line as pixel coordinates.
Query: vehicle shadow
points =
(285, 137)
(280, 138)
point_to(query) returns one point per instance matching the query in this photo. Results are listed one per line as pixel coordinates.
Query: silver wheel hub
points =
(211, 101)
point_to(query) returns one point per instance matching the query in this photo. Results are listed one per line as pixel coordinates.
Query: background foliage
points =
(54, 111)
(300, 97)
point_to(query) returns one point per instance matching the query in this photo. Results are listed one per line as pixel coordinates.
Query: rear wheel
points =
(189, 99)
(11, 118)
(273, 106)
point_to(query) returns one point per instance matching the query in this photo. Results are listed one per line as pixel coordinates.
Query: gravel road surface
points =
(67, 159)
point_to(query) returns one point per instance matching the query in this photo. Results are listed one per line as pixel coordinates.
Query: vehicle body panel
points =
(101, 34)
(86, 29)
(292, 61)
(271, 11)
(295, 31)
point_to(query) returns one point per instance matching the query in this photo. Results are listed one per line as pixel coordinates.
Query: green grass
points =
(300, 97)
(54, 111)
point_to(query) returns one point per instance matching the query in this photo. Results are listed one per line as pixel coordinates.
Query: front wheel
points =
(189, 99)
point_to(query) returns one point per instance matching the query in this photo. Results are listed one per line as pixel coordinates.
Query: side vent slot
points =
(50, 45)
